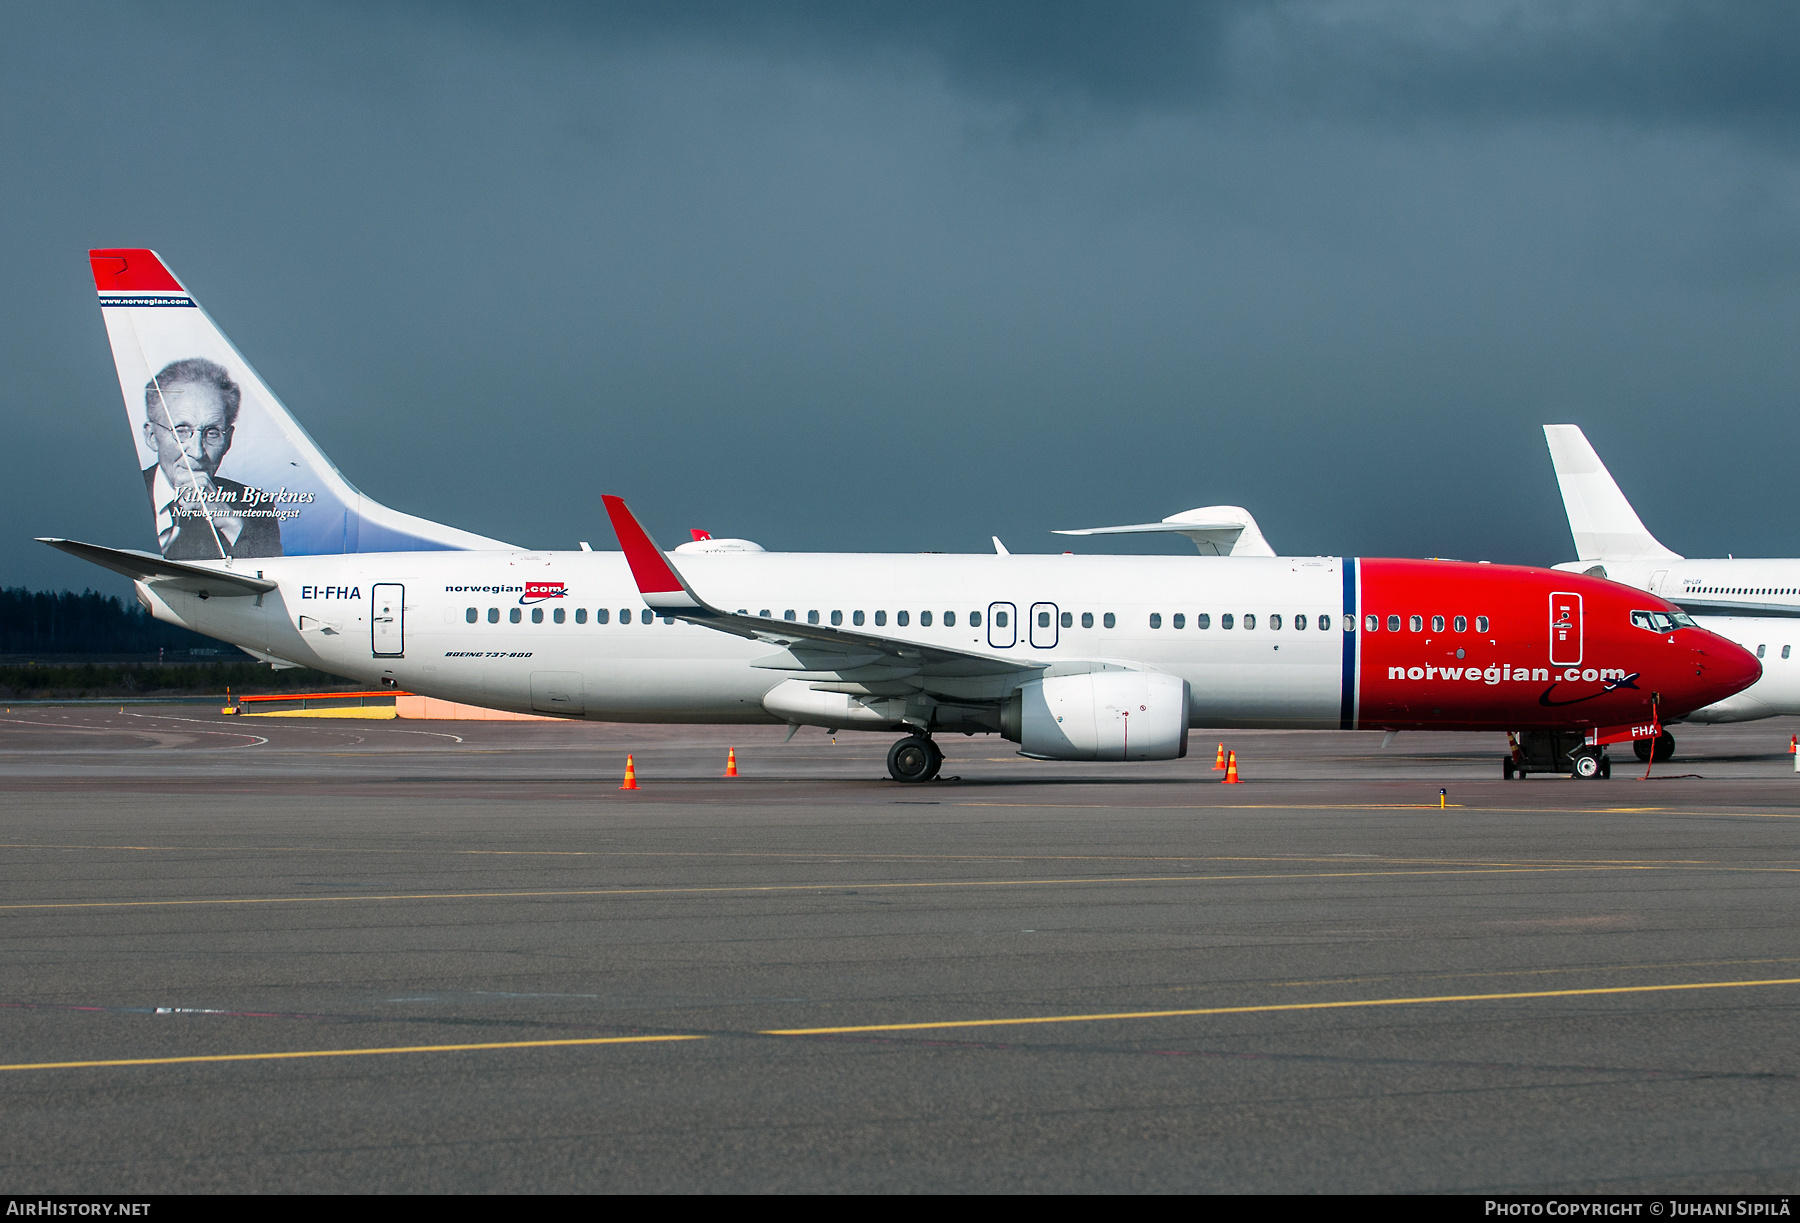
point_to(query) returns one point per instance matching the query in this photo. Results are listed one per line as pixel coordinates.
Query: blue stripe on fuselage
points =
(1347, 702)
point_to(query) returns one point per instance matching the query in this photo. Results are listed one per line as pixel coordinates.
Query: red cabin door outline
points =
(1565, 629)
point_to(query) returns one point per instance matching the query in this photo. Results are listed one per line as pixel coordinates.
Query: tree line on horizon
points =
(63, 622)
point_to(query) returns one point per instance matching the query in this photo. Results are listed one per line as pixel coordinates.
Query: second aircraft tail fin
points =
(1603, 523)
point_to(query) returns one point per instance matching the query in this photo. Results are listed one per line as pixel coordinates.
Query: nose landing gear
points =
(1550, 751)
(914, 758)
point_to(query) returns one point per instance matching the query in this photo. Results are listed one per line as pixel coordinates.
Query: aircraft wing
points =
(148, 567)
(852, 658)
(1216, 530)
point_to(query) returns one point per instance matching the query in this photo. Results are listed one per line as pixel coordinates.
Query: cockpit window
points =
(1683, 620)
(1657, 622)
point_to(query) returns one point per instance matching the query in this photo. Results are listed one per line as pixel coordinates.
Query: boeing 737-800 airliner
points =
(1754, 602)
(261, 542)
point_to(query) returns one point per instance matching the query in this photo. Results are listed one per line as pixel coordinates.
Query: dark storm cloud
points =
(1718, 63)
(899, 276)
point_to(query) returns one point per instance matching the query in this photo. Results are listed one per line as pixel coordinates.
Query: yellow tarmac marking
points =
(852, 1029)
(1520, 972)
(860, 885)
(302, 1053)
(1271, 1007)
(828, 856)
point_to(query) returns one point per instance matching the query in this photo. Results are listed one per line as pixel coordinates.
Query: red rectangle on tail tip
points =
(131, 271)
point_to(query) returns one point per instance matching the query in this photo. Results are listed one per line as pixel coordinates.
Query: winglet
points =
(1602, 521)
(661, 587)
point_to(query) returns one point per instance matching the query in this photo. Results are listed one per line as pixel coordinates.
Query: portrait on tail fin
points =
(190, 415)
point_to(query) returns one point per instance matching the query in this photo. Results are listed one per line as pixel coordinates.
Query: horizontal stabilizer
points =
(1216, 530)
(149, 567)
(1603, 523)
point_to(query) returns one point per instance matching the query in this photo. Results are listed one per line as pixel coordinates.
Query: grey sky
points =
(902, 276)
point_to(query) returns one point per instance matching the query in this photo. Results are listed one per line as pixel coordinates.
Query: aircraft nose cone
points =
(1725, 668)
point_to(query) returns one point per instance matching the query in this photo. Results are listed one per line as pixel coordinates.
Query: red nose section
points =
(1725, 668)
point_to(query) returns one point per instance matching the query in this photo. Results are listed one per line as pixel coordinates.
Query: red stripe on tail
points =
(131, 271)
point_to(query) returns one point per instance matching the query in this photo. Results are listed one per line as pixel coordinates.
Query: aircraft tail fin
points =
(228, 470)
(1603, 523)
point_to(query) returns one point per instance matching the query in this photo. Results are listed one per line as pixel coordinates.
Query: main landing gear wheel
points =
(914, 758)
(1665, 748)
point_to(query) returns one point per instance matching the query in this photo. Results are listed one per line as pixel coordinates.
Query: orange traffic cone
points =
(1219, 764)
(1794, 745)
(630, 776)
(1231, 777)
(731, 762)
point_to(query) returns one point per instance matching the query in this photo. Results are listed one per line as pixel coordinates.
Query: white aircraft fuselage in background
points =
(1753, 602)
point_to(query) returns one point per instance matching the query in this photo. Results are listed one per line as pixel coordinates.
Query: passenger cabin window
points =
(1087, 619)
(949, 619)
(837, 617)
(513, 615)
(880, 618)
(812, 617)
(1372, 624)
(581, 615)
(471, 615)
(1225, 621)
(1761, 650)
(1155, 619)
(924, 619)
(1786, 650)
(1416, 623)
(1108, 620)
(1249, 621)
(1462, 624)
(602, 616)
(1437, 624)
(646, 616)
(1349, 624)
(1043, 619)
(999, 619)
(1202, 620)
(537, 615)
(1481, 624)
(902, 619)
(764, 613)
(1393, 624)
(856, 618)
(790, 614)
(493, 615)
(624, 615)
(559, 615)
(1176, 621)
(975, 619)
(1299, 624)
(1275, 623)
(1068, 620)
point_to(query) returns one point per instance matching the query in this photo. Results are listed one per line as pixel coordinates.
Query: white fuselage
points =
(1753, 602)
(617, 662)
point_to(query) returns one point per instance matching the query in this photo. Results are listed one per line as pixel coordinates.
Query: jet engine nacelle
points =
(1104, 715)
